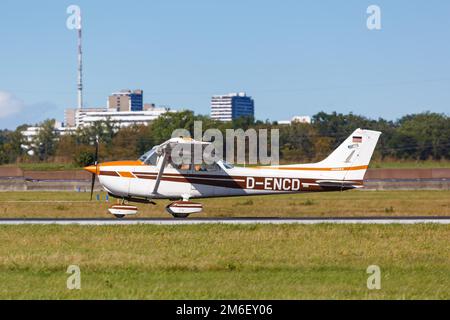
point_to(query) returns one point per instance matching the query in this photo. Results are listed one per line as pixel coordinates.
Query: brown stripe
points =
(108, 173)
(124, 208)
(259, 183)
(233, 183)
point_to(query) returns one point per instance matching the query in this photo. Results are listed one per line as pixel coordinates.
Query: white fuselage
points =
(137, 180)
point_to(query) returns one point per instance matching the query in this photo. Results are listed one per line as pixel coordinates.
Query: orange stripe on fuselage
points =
(121, 163)
(126, 174)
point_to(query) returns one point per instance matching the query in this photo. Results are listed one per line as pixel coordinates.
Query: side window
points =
(212, 167)
(182, 167)
(206, 167)
(149, 158)
(152, 159)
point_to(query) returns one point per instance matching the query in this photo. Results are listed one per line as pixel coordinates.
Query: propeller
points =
(96, 167)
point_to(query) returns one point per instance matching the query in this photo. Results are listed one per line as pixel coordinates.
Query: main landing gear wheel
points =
(182, 209)
(180, 215)
(122, 210)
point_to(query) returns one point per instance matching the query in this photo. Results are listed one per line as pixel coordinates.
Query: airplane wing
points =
(181, 141)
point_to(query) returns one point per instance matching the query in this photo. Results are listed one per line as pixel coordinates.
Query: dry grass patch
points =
(350, 203)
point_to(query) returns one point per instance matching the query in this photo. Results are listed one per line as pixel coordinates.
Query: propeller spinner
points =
(94, 168)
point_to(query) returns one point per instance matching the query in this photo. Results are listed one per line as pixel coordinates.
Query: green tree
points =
(339, 126)
(164, 125)
(424, 136)
(46, 140)
(297, 142)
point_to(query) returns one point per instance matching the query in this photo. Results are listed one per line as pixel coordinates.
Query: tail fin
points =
(355, 153)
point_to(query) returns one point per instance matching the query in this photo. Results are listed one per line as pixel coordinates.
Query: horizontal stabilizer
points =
(344, 184)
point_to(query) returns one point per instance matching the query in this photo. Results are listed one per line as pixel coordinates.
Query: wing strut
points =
(161, 170)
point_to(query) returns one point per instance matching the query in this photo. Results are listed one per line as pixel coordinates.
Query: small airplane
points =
(156, 176)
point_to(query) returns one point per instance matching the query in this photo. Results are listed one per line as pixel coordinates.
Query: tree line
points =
(423, 136)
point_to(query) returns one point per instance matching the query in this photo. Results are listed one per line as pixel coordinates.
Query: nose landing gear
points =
(122, 210)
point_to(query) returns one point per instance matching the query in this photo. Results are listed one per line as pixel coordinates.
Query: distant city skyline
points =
(292, 57)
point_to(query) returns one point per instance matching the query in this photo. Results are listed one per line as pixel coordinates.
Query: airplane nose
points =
(91, 169)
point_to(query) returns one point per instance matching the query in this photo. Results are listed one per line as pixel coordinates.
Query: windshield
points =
(149, 157)
(227, 165)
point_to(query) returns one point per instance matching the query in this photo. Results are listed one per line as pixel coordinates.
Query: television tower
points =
(80, 67)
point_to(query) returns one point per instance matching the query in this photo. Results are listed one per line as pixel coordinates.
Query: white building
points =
(75, 118)
(296, 119)
(87, 116)
(31, 132)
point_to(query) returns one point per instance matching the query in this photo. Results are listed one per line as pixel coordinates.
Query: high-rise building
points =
(69, 117)
(126, 100)
(231, 106)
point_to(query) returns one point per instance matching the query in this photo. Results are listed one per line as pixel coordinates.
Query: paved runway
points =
(190, 221)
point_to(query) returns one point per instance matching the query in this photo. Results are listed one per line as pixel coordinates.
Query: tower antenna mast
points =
(80, 66)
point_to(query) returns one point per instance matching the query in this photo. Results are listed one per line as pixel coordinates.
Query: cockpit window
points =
(204, 167)
(227, 165)
(149, 158)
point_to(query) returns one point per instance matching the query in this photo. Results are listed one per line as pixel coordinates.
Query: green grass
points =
(349, 203)
(225, 261)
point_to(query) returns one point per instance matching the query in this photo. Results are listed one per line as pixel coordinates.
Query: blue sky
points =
(294, 57)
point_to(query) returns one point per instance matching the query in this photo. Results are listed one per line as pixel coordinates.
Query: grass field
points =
(228, 261)
(350, 203)
(225, 262)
